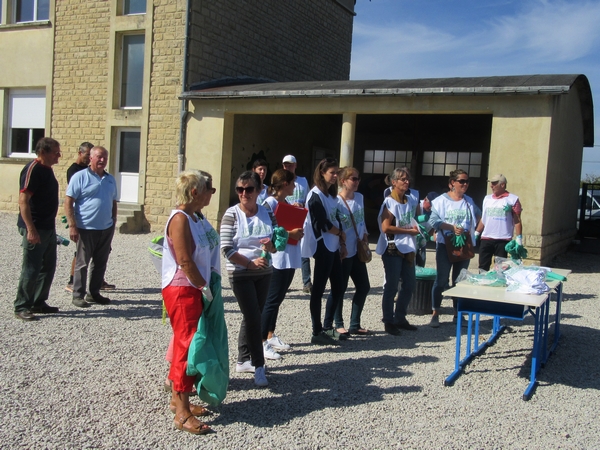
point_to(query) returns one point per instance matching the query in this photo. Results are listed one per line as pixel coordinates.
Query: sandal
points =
(343, 331)
(185, 424)
(196, 410)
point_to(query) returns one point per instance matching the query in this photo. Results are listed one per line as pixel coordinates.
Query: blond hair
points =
(188, 181)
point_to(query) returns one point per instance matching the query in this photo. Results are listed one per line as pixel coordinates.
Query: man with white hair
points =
(500, 220)
(91, 210)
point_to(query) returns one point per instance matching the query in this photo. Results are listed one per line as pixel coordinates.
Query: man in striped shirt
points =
(38, 204)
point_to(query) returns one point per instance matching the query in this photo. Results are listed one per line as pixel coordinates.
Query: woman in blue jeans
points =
(453, 213)
(397, 247)
(351, 208)
(324, 240)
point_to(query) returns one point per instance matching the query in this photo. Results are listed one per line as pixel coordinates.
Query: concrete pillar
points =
(347, 144)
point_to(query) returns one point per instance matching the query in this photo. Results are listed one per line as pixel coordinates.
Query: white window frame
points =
(441, 163)
(122, 9)
(35, 11)
(34, 101)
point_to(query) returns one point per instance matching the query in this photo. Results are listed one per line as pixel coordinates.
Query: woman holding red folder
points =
(285, 264)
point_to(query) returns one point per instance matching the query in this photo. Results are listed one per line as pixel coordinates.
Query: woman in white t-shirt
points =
(453, 213)
(397, 247)
(285, 264)
(350, 203)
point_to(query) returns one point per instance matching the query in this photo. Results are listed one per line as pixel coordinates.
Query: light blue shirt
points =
(94, 197)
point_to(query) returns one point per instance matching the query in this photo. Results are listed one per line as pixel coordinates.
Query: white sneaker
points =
(259, 377)
(245, 367)
(269, 352)
(278, 344)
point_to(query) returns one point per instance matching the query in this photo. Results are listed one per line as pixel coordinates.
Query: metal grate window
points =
(385, 161)
(439, 164)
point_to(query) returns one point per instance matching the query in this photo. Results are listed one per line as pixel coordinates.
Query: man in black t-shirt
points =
(38, 204)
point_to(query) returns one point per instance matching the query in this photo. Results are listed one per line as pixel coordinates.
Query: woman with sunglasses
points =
(189, 257)
(285, 264)
(246, 231)
(352, 214)
(452, 213)
(397, 247)
(325, 241)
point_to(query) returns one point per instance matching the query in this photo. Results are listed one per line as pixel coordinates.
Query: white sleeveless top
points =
(206, 253)
(405, 214)
(290, 258)
(250, 230)
(331, 241)
(497, 217)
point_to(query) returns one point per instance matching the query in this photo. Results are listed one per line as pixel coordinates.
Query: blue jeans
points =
(357, 270)
(327, 266)
(280, 283)
(397, 267)
(305, 271)
(443, 274)
(37, 270)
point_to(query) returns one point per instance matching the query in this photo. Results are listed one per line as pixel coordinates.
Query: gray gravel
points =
(93, 378)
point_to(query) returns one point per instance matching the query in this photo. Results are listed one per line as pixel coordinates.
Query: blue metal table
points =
(474, 301)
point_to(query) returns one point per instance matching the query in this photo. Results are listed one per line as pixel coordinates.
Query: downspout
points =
(184, 86)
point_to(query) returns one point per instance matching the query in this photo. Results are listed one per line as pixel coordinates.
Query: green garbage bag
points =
(208, 355)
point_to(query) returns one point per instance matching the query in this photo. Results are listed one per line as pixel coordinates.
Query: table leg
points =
(536, 353)
(559, 295)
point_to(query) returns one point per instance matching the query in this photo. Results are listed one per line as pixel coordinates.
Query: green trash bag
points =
(208, 355)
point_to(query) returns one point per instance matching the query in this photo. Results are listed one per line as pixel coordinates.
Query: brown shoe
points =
(25, 316)
(193, 426)
(107, 286)
(196, 410)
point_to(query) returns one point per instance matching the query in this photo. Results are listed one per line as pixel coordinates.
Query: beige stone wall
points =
(280, 40)
(163, 126)
(82, 34)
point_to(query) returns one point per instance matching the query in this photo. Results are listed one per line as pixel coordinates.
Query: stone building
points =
(110, 72)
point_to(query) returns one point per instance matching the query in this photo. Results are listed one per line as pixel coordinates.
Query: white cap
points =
(289, 159)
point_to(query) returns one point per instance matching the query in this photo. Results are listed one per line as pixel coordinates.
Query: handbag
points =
(456, 254)
(362, 248)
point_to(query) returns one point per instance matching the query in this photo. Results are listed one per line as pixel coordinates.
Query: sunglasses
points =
(248, 189)
(494, 183)
(210, 189)
(354, 178)
(462, 181)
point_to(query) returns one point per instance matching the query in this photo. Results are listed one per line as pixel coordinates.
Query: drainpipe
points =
(184, 86)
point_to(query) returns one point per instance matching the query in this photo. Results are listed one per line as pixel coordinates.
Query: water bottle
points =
(61, 240)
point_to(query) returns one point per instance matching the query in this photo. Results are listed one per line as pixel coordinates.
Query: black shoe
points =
(25, 316)
(100, 299)
(44, 309)
(80, 303)
(392, 329)
(404, 325)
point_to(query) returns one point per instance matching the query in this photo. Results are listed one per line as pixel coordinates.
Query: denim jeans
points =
(357, 270)
(280, 283)
(251, 294)
(327, 266)
(37, 270)
(396, 267)
(443, 274)
(305, 271)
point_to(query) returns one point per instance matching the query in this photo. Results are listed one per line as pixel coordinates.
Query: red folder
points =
(290, 217)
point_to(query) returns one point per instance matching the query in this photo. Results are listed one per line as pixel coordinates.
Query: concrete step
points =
(131, 219)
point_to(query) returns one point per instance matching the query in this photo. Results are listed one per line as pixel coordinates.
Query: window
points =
(439, 164)
(385, 161)
(27, 120)
(31, 10)
(129, 146)
(132, 71)
(134, 7)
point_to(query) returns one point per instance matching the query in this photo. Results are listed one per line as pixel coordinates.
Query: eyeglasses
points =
(404, 180)
(248, 189)
(354, 178)
(494, 183)
(462, 181)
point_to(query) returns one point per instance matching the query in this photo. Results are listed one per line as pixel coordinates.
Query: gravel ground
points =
(93, 378)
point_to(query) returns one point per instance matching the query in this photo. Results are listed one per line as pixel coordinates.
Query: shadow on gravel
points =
(143, 291)
(311, 389)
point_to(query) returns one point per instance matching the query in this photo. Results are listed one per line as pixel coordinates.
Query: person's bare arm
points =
(32, 234)
(70, 214)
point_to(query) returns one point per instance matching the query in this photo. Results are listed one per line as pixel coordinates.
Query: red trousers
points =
(184, 306)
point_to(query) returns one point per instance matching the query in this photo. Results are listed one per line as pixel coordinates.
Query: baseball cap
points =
(289, 159)
(431, 196)
(498, 177)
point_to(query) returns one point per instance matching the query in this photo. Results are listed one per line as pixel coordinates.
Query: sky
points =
(403, 39)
